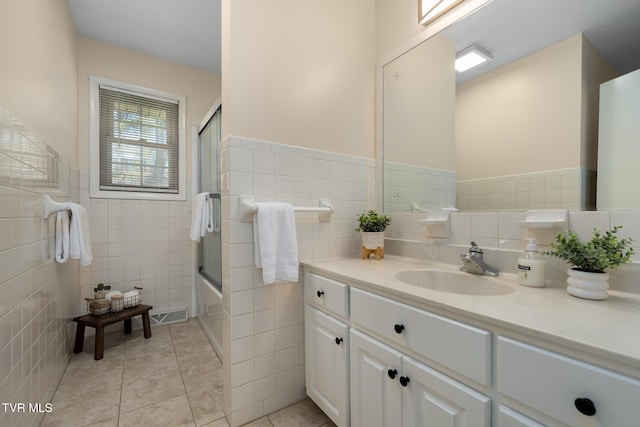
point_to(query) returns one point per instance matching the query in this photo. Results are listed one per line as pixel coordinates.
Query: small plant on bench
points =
(98, 291)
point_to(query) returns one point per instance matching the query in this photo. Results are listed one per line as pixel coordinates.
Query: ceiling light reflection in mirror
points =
(470, 57)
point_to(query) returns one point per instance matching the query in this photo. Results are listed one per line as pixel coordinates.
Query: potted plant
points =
(590, 260)
(98, 291)
(372, 226)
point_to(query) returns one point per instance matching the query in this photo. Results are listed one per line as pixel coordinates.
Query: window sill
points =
(135, 195)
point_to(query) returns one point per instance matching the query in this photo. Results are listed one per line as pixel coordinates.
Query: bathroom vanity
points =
(380, 351)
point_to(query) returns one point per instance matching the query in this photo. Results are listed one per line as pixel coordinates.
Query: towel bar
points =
(50, 206)
(247, 207)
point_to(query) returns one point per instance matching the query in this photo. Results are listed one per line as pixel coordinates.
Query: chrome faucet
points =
(474, 262)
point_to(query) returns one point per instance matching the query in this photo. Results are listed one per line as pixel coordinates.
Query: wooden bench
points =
(100, 321)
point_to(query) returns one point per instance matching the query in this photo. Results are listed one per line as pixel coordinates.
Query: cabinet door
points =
(327, 364)
(507, 417)
(376, 399)
(433, 399)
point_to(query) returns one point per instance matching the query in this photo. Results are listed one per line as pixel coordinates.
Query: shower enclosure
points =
(209, 277)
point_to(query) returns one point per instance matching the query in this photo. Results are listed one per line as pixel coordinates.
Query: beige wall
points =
(523, 117)
(201, 88)
(38, 71)
(303, 77)
(419, 106)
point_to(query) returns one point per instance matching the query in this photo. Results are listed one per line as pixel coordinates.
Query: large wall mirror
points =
(517, 132)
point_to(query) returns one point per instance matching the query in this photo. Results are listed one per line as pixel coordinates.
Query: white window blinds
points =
(138, 142)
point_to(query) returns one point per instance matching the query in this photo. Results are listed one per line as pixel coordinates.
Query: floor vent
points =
(163, 318)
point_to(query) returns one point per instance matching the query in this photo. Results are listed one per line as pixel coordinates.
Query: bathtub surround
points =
(263, 324)
(39, 296)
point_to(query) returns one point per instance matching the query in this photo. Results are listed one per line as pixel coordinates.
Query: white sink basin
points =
(454, 282)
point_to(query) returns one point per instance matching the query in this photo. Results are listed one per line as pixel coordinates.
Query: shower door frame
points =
(195, 180)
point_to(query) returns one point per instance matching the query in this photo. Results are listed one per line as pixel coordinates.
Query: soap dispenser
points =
(531, 267)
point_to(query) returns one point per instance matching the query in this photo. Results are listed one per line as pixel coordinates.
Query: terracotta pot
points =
(583, 284)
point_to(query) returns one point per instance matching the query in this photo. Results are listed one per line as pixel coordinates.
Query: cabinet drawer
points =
(460, 347)
(551, 383)
(327, 293)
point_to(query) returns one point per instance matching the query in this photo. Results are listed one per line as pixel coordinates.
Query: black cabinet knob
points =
(398, 328)
(320, 293)
(404, 381)
(585, 406)
(392, 373)
(338, 340)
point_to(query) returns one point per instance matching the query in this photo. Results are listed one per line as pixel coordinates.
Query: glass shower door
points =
(210, 248)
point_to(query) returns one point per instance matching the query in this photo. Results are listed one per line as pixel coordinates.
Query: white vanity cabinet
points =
(566, 390)
(376, 393)
(507, 417)
(327, 346)
(389, 388)
(395, 363)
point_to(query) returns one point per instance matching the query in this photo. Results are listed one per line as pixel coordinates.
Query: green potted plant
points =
(588, 277)
(372, 226)
(98, 291)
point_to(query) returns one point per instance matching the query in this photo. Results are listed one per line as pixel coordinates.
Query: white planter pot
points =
(373, 240)
(587, 285)
(372, 243)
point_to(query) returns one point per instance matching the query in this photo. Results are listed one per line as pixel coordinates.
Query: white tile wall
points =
(264, 363)
(140, 243)
(563, 188)
(427, 188)
(38, 296)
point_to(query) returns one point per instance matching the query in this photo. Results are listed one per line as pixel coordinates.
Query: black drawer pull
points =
(338, 340)
(392, 373)
(320, 293)
(398, 328)
(404, 381)
(585, 406)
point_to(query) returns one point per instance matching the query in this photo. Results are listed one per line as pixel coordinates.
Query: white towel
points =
(276, 247)
(79, 237)
(62, 237)
(201, 216)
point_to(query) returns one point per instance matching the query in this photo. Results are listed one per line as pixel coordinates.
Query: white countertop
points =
(609, 328)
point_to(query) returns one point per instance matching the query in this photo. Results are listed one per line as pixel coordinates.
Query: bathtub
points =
(209, 305)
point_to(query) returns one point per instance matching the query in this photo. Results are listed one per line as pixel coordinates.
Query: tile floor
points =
(172, 379)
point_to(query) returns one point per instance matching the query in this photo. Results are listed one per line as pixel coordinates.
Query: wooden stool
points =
(379, 252)
(100, 321)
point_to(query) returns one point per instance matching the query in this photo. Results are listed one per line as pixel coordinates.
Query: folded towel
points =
(79, 237)
(276, 247)
(62, 237)
(201, 217)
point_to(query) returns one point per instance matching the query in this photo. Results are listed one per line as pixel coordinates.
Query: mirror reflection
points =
(517, 132)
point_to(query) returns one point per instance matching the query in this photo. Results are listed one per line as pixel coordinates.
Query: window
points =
(137, 142)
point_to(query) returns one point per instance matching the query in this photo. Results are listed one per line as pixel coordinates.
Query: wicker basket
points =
(98, 306)
(132, 298)
(116, 303)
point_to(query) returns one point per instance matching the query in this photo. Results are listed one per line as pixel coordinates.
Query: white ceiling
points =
(188, 31)
(512, 29)
(182, 31)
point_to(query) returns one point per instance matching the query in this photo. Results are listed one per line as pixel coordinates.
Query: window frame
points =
(94, 141)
